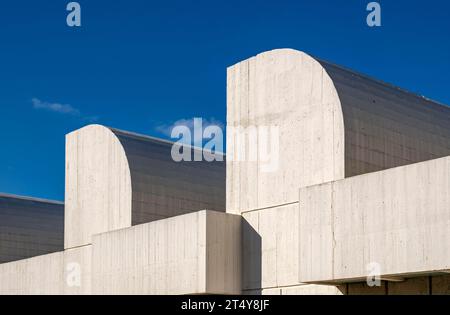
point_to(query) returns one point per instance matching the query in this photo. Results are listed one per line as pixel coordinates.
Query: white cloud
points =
(65, 109)
(55, 107)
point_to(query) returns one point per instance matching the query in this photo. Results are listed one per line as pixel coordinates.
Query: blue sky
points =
(142, 65)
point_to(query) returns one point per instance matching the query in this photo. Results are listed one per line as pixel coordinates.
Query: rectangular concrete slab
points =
(270, 247)
(397, 220)
(78, 270)
(190, 254)
(37, 275)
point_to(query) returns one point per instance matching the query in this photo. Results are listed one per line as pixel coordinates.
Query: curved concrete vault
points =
(315, 224)
(116, 179)
(334, 123)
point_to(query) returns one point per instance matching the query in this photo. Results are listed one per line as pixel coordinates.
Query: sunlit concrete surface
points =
(362, 179)
(334, 123)
(398, 218)
(116, 179)
(195, 253)
(314, 222)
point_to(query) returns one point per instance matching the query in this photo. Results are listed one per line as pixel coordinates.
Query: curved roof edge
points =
(142, 137)
(380, 82)
(29, 198)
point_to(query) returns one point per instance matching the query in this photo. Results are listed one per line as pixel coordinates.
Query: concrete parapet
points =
(195, 253)
(190, 254)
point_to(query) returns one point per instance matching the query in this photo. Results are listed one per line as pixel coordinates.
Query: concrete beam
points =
(396, 220)
(197, 253)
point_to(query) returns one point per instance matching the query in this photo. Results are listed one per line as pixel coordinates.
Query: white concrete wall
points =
(189, 254)
(37, 275)
(223, 253)
(98, 185)
(116, 179)
(271, 253)
(398, 218)
(334, 123)
(290, 90)
(78, 270)
(67, 272)
(270, 247)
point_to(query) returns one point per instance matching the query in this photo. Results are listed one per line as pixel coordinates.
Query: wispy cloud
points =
(55, 107)
(60, 108)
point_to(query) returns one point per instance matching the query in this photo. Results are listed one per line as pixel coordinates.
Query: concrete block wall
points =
(65, 272)
(98, 185)
(270, 248)
(37, 275)
(398, 218)
(29, 227)
(271, 253)
(77, 270)
(195, 253)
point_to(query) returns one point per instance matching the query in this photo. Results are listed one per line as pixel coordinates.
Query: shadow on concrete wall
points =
(251, 260)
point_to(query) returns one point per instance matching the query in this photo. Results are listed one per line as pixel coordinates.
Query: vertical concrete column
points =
(98, 185)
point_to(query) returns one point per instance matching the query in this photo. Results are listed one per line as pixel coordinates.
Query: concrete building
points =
(361, 189)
